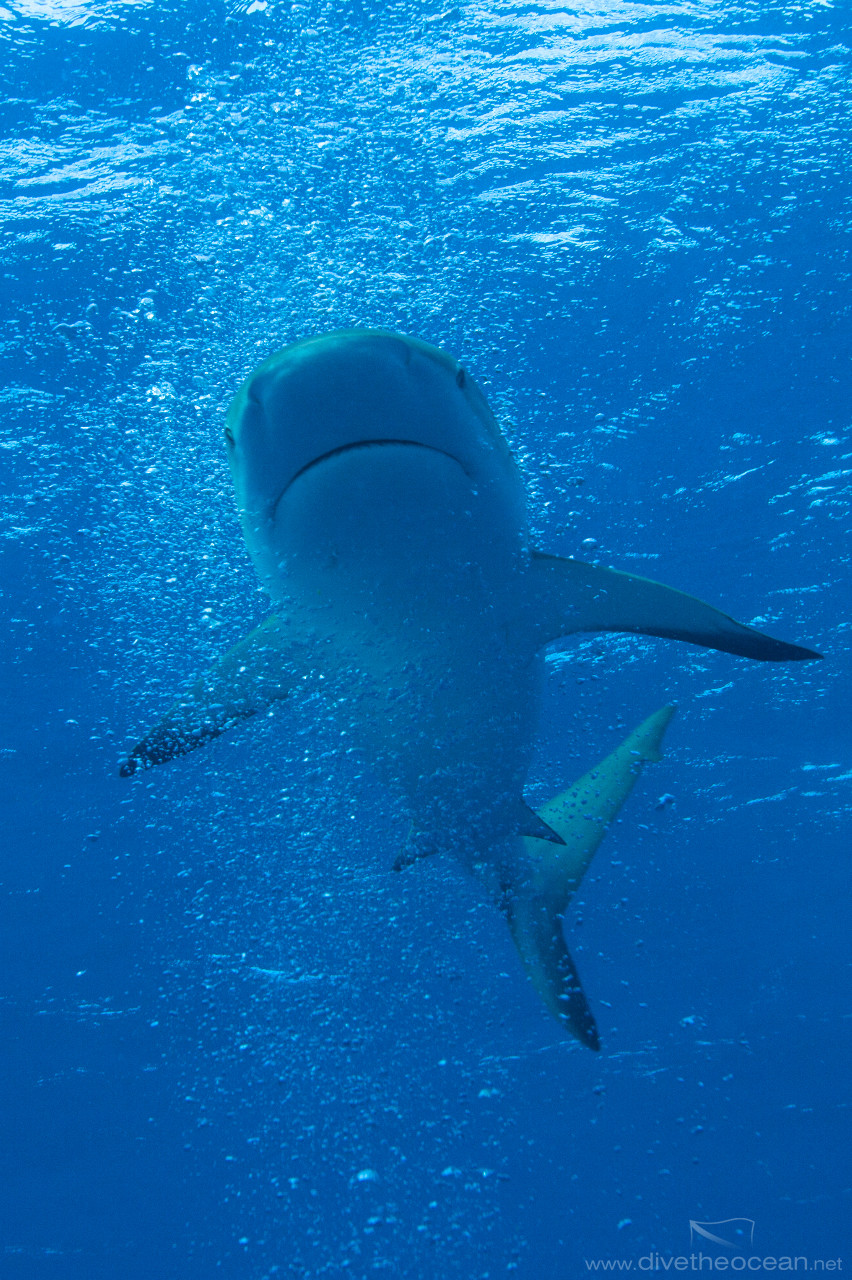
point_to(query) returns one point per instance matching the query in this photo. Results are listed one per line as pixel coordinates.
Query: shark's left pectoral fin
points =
(571, 596)
(580, 816)
(248, 678)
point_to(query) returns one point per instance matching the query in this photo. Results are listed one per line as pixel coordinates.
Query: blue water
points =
(234, 1043)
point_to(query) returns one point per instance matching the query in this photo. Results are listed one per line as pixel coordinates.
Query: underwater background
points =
(234, 1042)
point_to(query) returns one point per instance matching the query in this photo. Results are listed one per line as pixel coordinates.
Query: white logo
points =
(734, 1233)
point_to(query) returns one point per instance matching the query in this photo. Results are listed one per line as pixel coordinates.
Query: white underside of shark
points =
(386, 518)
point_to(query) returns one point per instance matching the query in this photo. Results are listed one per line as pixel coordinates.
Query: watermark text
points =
(715, 1262)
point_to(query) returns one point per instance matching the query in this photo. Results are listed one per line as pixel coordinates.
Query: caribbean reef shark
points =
(386, 518)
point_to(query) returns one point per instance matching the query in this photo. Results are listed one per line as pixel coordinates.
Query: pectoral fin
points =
(247, 679)
(571, 596)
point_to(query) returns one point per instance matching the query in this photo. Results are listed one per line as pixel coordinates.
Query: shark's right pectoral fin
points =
(247, 679)
(571, 596)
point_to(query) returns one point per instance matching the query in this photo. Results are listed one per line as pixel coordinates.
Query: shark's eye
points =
(229, 437)
(460, 376)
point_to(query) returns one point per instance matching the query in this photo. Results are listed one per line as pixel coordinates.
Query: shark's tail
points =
(537, 930)
(535, 908)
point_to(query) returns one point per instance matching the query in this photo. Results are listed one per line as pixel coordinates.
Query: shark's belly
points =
(408, 580)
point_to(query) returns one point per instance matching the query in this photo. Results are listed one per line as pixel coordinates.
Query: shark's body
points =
(386, 518)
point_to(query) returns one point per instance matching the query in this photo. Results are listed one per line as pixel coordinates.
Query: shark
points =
(386, 518)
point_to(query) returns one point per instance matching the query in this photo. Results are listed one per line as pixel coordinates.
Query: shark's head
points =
(332, 403)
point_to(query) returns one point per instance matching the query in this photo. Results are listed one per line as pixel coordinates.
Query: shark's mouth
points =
(358, 445)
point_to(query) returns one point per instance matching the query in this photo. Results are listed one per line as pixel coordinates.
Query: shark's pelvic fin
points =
(247, 679)
(416, 846)
(532, 823)
(580, 816)
(571, 596)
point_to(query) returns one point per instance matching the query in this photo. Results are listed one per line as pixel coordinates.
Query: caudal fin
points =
(537, 933)
(582, 814)
(535, 909)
